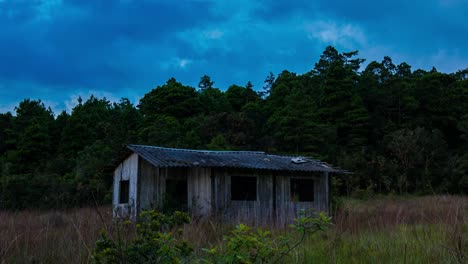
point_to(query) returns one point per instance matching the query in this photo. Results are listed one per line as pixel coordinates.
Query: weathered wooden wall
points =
(256, 212)
(209, 192)
(199, 190)
(127, 170)
(287, 209)
(153, 186)
(273, 204)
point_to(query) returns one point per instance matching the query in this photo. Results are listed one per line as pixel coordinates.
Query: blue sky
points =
(57, 50)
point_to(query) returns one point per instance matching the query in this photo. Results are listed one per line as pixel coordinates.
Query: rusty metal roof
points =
(172, 157)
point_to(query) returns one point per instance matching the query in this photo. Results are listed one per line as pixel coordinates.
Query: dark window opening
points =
(176, 197)
(123, 194)
(302, 190)
(243, 188)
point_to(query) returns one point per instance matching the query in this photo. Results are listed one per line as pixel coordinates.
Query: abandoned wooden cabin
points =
(244, 185)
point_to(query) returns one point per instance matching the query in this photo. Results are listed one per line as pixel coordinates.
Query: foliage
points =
(397, 129)
(246, 246)
(433, 229)
(154, 242)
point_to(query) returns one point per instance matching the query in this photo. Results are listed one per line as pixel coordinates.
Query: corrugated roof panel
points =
(171, 157)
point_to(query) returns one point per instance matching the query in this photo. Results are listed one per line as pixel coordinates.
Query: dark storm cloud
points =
(79, 42)
(56, 50)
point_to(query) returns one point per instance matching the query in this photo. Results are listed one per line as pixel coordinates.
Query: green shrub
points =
(154, 242)
(246, 246)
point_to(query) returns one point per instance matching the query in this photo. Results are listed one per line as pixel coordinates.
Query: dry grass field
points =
(431, 229)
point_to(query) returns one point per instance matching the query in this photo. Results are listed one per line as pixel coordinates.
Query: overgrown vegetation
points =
(246, 246)
(156, 242)
(394, 230)
(430, 229)
(398, 130)
(153, 243)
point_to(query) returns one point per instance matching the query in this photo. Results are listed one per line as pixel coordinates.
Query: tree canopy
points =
(397, 130)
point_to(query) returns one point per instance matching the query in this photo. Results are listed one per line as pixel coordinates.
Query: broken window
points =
(123, 194)
(302, 190)
(243, 188)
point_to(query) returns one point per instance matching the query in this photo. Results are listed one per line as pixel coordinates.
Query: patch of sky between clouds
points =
(213, 34)
(45, 9)
(177, 63)
(238, 23)
(201, 39)
(452, 3)
(346, 35)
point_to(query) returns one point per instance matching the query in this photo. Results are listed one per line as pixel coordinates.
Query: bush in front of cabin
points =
(156, 242)
(244, 245)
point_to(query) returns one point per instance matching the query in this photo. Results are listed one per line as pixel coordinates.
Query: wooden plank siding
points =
(127, 170)
(287, 209)
(257, 212)
(273, 204)
(153, 186)
(209, 192)
(199, 190)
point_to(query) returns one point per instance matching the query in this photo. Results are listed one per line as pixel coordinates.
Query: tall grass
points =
(431, 229)
(33, 236)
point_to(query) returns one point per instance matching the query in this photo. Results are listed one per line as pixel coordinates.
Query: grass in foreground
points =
(431, 229)
(394, 230)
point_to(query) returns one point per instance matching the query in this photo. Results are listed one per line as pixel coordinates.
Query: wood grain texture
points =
(209, 192)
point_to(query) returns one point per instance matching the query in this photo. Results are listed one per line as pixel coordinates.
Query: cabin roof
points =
(172, 157)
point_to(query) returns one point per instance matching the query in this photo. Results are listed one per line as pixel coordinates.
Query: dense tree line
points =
(397, 130)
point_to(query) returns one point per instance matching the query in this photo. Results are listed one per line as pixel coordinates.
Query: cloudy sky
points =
(56, 50)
